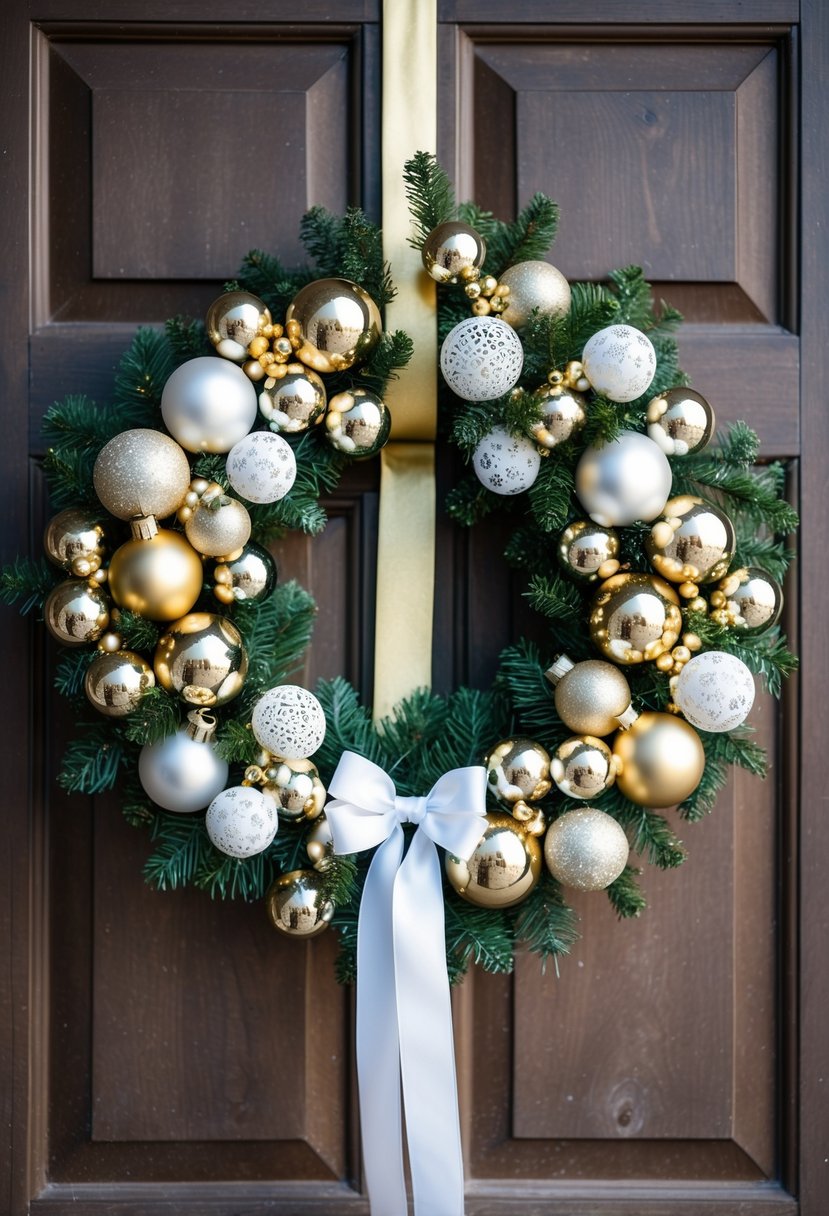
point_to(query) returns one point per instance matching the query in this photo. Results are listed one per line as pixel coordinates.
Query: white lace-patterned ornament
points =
(261, 467)
(481, 358)
(619, 362)
(241, 821)
(288, 721)
(715, 691)
(506, 464)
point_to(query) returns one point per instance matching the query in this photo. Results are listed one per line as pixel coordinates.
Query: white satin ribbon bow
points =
(404, 1014)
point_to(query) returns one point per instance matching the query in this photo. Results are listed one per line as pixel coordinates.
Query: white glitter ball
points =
(481, 358)
(289, 721)
(619, 362)
(241, 821)
(715, 691)
(261, 467)
(504, 464)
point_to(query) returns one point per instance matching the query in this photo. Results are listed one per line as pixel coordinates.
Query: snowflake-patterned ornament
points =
(288, 721)
(261, 467)
(481, 358)
(715, 691)
(619, 362)
(506, 464)
(241, 821)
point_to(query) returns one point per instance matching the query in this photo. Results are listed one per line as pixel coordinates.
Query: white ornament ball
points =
(261, 467)
(628, 479)
(481, 358)
(208, 404)
(181, 774)
(715, 691)
(288, 721)
(241, 821)
(619, 362)
(506, 464)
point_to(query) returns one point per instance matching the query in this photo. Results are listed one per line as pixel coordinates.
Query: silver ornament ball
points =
(628, 479)
(208, 404)
(183, 772)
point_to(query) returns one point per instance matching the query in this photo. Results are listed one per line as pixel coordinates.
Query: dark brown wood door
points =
(159, 1053)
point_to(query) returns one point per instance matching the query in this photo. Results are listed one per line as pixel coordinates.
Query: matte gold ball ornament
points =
(159, 577)
(76, 540)
(590, 697)
(202, 658)
(503, 869)
(534, 285)
(586, 849)
(115, 683)
(583, 767)
(141, 472)
(680, 421)
(358, 423)
(635, 618)
(661, 760)
(338, 324)
(296, 904)
(587, 551)
(518, 770)
(453, 250)
(76, 612)
(693, 541)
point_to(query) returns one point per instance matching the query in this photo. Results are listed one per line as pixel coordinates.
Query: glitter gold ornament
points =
(208, 404)
(141, 472)
(233, 321)
(518, 769)
(755, 603)
(588, 551)
(626, 480)
(219, 525)
(338, 324)
(635, 617)
(115, 683)
(563, 413)
(583, 767)
(680, 421)
(662, 760)
(249, 578)
(451, 250)
(693, 541)
(76, 540)
(534, 284)
(586, 849)
(590, 696)
(159, 577)
(296, 789)
(296, 904)
(503, 869)
(358, 423)
(294, 403)
(202, 658)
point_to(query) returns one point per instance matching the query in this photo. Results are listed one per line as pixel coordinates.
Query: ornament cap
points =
(201, 726)
(144, 528)
(627, 719)
(559, 669)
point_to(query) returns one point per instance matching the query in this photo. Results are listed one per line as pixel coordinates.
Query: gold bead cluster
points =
(721, 611)
(485, 292)
(272, 350)
(572, 378)
(201, 491)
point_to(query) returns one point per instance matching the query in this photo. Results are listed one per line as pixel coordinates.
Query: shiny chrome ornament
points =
(451, 250)
(680, 421)
(294, 403)
(563, 414)
(296, 789)
(201, 657)
(503, 869)
(583, 767)
(76, 612)
(518, 770)
(358, 423)
(249, 578)
(693, 541)
(76, 540)
(756, 603)
(296, 905)
(635, 617)
(588, 551)
(337, 322)
(115, 683)
(233, 321)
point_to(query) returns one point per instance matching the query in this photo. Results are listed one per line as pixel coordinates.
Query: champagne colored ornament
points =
(201, 657)
(76, 540)
(662, 760)
(219, 525)
(715, 691)
(503, 869)
(692, 542)
(504, 463)
(296, 904)
(241, 821)
(452, 250)
(755, 603)
(338, 324)
(76, 612)
(249, 578)
(115, 683)
(628, 479)
(141, 472)
(208, 404)
(319, 844)
(183, 772)
(586, 849)
(294, 403)
(358, 423)
(583, 767)
(159, 577)
(563, 414)
(588, 551)
(296, 789)
(518, 770)
(619, 362)
(591, 697)
(481, 358)
(534, 284)
(635, 617)
(289, 721)
(233, 321)
(261, 467)
(680, 421)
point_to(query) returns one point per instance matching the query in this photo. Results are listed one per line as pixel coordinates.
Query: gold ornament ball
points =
(160, 578)
(584, 550)
(452, 250)
(249, 578)
(76, 536)
(756, 603)
(662, 760)
(534, 284)
(219, 527)
(518, 770)
(296, 789)
(201, 657)
(591, 697)
(586, 849)
(115, 683)
(563, 413)
(635, 617)
(294, 403)
(76, 612)
(233, 321)
(339, 324)
(692, 542)
(357, 423)
(583, 767)
(503, 869)
(141, 472)
(680, 421)
(296, 904)
(319, 843)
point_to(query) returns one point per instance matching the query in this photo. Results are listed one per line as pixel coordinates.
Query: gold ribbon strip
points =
(406, 539)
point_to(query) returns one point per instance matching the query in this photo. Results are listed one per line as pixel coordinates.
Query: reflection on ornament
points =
(481, 358)
(503, 869)
(294, 403)
(692, 542)
(357, 423)
(590, 696)
(635, 617)
(249, 578)
(201, 657)
(261, 467)
(183, 772)
(141, 472)
(563, 413)
(451, 250)
(588, 551)
(233, 321)
(296, 789)
(583, 767)
(753, 600)
(715, 691)
(534, 285)
(628, 479)
(338, 324)
(504, 463)
(218, 526)
(159, 577)
(289, 721)
(662, 760)
(208, 404)
(115, 683)
(619, 362)
(76, 612)
(586, 849)
(319, 844)
(241, 821)
(518, 769)
(76, 540)
(680, 421)
(296, 904)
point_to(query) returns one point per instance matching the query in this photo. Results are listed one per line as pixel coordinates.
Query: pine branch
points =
(633, 294)
(527, 239)
(362, 257)
(651, 833)
(212, 468)
(765, 654)
(521, 680)
(479, 935)
(554, 597)
(138, 632)
(28, 580)
(264, 276)
(235, 743)
(319, 469)
(137, 808)
(139, 381)
(340, 883)
(390, 355)
(91, 762)
(71, 670)
(469, 501)
(770, 555)
(429, 194)
(472, 421)
(69, 476)
(348, 728)
(472, 720)
(276, 633)
(551, 492)
(187, 338)
(181, 848)
(625, 894)
(156, 717)
(544, 922)
(78, 424)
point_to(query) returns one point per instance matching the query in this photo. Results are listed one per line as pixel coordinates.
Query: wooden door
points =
(164, 1054)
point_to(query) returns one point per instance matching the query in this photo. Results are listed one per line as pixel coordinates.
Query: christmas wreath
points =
(655, 562)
